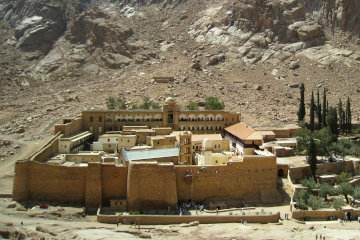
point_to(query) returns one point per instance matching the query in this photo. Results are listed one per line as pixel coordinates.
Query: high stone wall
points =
(151, 186)
(234, 182)
(113, 182)
(38, 181)
(147, 185)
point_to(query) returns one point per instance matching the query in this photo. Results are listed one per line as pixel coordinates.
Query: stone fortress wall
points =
(144, 185)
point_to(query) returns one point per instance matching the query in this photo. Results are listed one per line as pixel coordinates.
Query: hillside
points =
(61, 57)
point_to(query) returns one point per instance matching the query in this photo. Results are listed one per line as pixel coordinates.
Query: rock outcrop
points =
(273, 31)
(39, 23)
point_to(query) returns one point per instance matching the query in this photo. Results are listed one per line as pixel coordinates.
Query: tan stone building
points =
(100, 121)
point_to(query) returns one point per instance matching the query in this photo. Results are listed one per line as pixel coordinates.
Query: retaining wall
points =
(167, 219)
(324, 214)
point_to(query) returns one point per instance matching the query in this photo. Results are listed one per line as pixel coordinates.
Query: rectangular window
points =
(100, 119)
(91, 119)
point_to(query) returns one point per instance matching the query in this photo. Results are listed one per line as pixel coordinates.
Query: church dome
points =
(170, 101)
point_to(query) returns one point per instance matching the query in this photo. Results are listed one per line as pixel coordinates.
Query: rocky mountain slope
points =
(60, 57)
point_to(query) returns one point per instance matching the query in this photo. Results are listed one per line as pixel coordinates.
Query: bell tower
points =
(171, 114)
(185, 148)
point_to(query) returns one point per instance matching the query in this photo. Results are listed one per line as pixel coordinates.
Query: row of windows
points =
(202, 119)
(198, 128)
(137, 119)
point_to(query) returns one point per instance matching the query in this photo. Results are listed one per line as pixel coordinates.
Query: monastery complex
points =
(154, 159)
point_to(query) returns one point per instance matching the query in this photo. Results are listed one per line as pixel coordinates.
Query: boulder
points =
(294, 65)
(309, 31)
(6, 142)
(21, 129)
(257, 87)
(294, 85)
(13, 204)
(196, 65)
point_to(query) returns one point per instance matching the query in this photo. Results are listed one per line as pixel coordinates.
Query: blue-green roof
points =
(150, 154)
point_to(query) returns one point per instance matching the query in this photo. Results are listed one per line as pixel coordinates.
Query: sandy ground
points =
(87, 228)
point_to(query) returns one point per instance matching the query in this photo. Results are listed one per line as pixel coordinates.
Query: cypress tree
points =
(341, 116)
(332, 122)
(301, 112)
(311, 157)
(312, 112)
(348, 116)
(318, 110)
(324, 109)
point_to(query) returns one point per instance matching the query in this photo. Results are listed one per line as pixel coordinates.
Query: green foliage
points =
(341, 114)
(326, 189)
(345, 147)
(338, 203)
(312, 112)
(324, 111)
(343, 177)
(348, 125)
(134, 106)
(301, 112)
(318, 110)
(323, 143)
(146, 103)
(356, 193)
(311, 157)
(121, 103)
(113, 103)
(332, 122)
(357, 131)
(213, 103)
(155, 106)
(301, 204)
(309, 183)
(303, 137)
(346, 189)
(322, 138)
(192, 106)
(315, 203)
(110, 103)
(300, 197)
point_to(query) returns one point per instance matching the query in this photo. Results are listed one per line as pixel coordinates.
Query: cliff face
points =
(38, 23)
(341, 14)
(59, 57)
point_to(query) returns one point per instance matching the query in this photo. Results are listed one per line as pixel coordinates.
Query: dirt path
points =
(7, 166)
(82, 229)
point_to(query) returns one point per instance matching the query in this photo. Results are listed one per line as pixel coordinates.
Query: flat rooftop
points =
(150, 154)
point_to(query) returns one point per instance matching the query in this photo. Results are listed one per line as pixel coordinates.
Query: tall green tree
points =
(312, 112)
(341, 116)
(213, 103)
(311, 158)
(303, 136)
(326, 189)
(146, 103)
(121, 103)
(301, 112)
(332, 122)
(348, 116)
(323, 144)
(356, 193)
(346, 189)
(110, 102)
(192, 106)
(318, 110)
(324, 112)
